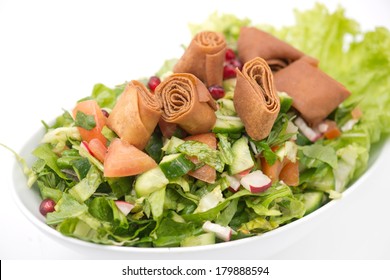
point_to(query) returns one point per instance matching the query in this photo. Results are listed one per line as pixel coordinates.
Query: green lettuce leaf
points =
(105, 210)
(313, 155)
(227, 24)
(171, 233)
(67, 207)
(105, 96)
(45, 153)
(87, 186)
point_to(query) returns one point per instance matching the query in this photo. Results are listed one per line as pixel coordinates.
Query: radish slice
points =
(349, 125)
(85, 146)
(242, 173)
(256, 182)
(323, 127)
(310, 133)
(224, 233)
(234, 183)
(124, 206)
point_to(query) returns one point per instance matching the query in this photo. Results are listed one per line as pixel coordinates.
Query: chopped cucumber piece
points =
(228, 124)
(176, 165)
(150, 181)
(229, 86)
(171, 145)
(312, 200)
(226, 107)
(242, 158)
(199, 240)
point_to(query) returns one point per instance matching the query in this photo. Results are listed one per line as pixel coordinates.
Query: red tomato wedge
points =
(97, 149)
(123, 159)
(206, 173)
(272, 171)
(90, 107)
(332, 130)
(286, 171)
(290, 173)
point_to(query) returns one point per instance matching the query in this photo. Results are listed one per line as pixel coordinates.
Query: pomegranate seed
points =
(229, 71)
(216, 92)
(105, 113)
(229, 55)
(154, 81)
(47, 206)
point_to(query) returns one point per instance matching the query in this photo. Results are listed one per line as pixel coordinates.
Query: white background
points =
(53, 52)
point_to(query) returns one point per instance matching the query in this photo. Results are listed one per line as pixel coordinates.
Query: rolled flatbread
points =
(135, 115)
(186, 101)
(204, 58)
(315, 94)
(253, 42)
(255, 98)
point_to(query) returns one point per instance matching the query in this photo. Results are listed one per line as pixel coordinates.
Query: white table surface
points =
(53, 52)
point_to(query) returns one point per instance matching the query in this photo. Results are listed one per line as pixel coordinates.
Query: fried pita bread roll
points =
(315, 94)
(253, 42)
(186, 101)
(255, 98)
(204, 58)
(135, 115)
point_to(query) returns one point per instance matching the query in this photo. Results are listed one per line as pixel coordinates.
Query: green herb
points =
(203, 152)
(85, 121)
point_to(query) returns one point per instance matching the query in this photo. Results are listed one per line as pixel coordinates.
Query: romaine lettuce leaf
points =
(45, 153)
(171, 232)
(313, 155)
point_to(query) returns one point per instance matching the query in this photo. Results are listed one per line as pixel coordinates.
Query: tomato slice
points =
(272, 171)
(290, 173)
(123, 159)
(332, 130)
(98, 149)
(286, 171)
(91, 108)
